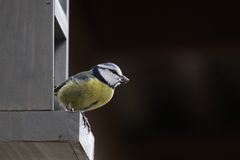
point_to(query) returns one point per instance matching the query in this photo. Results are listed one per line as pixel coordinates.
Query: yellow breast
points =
(85, 95)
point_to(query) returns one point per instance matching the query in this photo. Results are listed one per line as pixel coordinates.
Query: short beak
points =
(124, 79)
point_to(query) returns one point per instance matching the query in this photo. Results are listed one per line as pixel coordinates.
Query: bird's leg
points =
(69, 109)
(86, 122)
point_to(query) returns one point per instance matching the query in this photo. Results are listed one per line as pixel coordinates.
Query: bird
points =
(89, 90)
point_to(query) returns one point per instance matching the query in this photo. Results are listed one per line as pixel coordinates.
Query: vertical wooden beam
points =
(61, 41)
(26, 54)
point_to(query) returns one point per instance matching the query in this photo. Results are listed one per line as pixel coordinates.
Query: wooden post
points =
(26, 54)
(33, 59)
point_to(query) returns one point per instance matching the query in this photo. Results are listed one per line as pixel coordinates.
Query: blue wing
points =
(82, 76)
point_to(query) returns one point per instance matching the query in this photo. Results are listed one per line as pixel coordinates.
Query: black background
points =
(182, 58)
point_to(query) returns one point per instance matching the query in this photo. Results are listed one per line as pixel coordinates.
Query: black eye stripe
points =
(113, 71)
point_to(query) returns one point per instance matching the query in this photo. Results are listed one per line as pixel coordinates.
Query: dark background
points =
(182, 58)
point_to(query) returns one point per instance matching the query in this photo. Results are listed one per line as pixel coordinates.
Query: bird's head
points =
(109, 73)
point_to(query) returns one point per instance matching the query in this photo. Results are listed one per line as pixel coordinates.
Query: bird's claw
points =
(85, 119)
(86, 122)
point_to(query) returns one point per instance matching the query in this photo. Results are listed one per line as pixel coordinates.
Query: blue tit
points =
(91, 89)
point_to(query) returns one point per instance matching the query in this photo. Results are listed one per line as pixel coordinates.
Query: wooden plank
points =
(38, 126)
(80, 152)
(86, 139)
(26, 55)
(61, 41)
(64, 4)
(37, 151)
(47, 126)
(61, 17)
(61, 62)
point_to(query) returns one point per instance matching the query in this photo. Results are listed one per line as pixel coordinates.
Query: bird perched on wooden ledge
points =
(91, 89)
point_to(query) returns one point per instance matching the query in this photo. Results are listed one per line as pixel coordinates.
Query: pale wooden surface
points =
(29, 68)
(38, 151)
(61, 41)
(46, 126)
(61, 16)
(26, 55)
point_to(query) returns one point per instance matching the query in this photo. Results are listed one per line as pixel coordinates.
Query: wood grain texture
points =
(46, 126)
(37, 151)
(60, 56)
(26, 55)
(61, 41)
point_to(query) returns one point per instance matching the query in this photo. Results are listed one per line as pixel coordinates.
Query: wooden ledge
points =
(47, 126)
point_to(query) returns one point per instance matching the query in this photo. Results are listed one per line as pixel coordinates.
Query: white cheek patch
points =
(110, 78)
